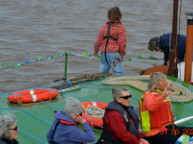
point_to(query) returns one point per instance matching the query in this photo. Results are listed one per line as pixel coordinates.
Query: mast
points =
(189, 48)
(172, 70)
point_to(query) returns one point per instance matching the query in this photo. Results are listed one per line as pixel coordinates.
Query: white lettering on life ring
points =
(31, 92)
(34, 98)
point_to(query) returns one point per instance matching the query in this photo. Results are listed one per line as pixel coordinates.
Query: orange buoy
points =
(33, 95)
(95, 122)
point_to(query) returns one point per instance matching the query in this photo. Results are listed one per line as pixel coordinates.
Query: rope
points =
(94, 111)
(85, 54)
(93, 122)
(179, 92)
(89, 77)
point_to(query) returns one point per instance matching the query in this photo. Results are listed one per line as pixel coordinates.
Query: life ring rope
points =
(93, 112)
(33, 95)
(92, 124)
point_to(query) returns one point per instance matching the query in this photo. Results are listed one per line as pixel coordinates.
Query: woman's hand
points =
(143, 141)
(77, 118)
(167, 91)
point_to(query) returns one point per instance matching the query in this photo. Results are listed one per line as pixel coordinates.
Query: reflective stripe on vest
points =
(145, 118)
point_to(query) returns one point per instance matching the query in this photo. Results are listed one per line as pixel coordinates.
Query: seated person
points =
(65, 126)
(157, 119)
(121, 123)
(8, 129)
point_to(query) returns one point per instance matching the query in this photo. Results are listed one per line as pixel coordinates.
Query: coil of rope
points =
(180, 93)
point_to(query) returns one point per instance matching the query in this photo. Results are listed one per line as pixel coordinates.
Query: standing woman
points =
(8, 129)
(112, 39)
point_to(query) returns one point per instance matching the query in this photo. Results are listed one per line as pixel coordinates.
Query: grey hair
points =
(118, 92)
(6, 121)
(154, 80)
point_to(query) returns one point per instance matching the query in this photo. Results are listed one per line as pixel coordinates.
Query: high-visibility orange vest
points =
(156, 118)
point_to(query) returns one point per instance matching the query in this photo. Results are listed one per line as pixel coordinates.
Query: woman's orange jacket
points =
(117, 31)
(160, 112)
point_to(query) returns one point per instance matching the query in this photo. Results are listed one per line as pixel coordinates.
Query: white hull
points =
(181, 71)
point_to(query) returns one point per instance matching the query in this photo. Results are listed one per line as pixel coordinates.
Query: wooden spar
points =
(172, 70)
(189, 47)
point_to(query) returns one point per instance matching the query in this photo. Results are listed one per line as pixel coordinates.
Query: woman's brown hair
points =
(114, 14)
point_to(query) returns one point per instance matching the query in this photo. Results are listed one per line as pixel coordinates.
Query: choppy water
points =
(50, 27)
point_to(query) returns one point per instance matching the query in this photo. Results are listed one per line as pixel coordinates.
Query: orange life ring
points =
(95, 122)
(33, 95)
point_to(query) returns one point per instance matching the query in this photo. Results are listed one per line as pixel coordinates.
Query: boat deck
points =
(35, 119)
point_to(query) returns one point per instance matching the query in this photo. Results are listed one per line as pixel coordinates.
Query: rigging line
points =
(179, 31)
(16, 65)
(32, 136)
(180, 15)
(31, 61)
(27, 113)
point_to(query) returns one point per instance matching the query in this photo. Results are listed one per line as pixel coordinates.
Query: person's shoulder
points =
(169, 34)
(112, 113)
(104, 27)
(151, 93)
(166, 35)
(182, 36)
(121, 25)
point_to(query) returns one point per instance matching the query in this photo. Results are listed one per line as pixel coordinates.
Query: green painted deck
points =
(35, 119)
